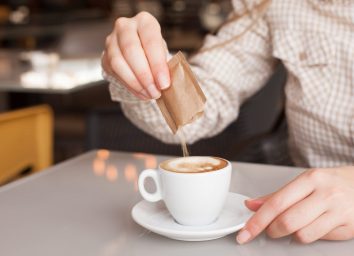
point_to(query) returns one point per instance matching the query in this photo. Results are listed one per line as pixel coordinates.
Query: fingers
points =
(297, 217)
(105, 64)
(123, 72)
(281, 200)
(154, 48)
(256, 203)
(133, 53)
(318, 204)
(107, 68)
(344, 232)
(318, 228)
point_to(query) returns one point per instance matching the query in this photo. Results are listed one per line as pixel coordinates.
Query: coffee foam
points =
(194, 164)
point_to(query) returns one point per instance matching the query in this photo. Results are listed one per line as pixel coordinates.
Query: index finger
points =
(280, 201)
(155, 50)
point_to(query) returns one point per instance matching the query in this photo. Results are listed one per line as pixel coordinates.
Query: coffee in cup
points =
(194, 189)
(194, 164)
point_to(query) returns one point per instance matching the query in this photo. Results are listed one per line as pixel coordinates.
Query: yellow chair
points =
(26, 141)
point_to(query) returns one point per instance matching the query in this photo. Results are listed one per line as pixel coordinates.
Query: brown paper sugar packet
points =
(183, 102)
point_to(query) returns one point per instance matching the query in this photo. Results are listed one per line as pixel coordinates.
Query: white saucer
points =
(156, 218)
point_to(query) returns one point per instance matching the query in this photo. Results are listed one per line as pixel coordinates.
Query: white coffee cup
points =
(192, 198)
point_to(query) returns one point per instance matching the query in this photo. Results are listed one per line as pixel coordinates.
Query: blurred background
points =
(50, 54)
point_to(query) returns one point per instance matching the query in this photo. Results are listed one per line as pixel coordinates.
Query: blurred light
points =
(130, 172)
(150, 162)
(140, 155)
(131, 175)
(99, 166)
(103, 154)
(211, 16)
(49, 71)
(20, 15)
(112, 173)
(41, 60)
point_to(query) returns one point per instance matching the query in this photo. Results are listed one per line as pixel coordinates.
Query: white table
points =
(82, 207)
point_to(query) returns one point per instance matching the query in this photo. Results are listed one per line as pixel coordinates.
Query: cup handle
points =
(151, 197)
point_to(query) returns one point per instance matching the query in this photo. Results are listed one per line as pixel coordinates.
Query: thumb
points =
(256, 203)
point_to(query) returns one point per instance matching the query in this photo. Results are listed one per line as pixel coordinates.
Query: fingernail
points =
(163, 80)
(251, 200)
(243, 236)
(154, 93)
(257, 201)
(144, 93)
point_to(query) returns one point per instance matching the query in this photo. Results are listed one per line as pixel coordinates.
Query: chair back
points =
(26, 141)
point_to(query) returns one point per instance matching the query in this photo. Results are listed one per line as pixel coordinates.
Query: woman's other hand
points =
(318, 204)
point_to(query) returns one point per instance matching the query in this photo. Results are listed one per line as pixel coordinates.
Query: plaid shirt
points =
(315, 41)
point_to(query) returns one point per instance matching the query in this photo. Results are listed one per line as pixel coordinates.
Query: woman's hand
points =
(318, 204)
(135, 54)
